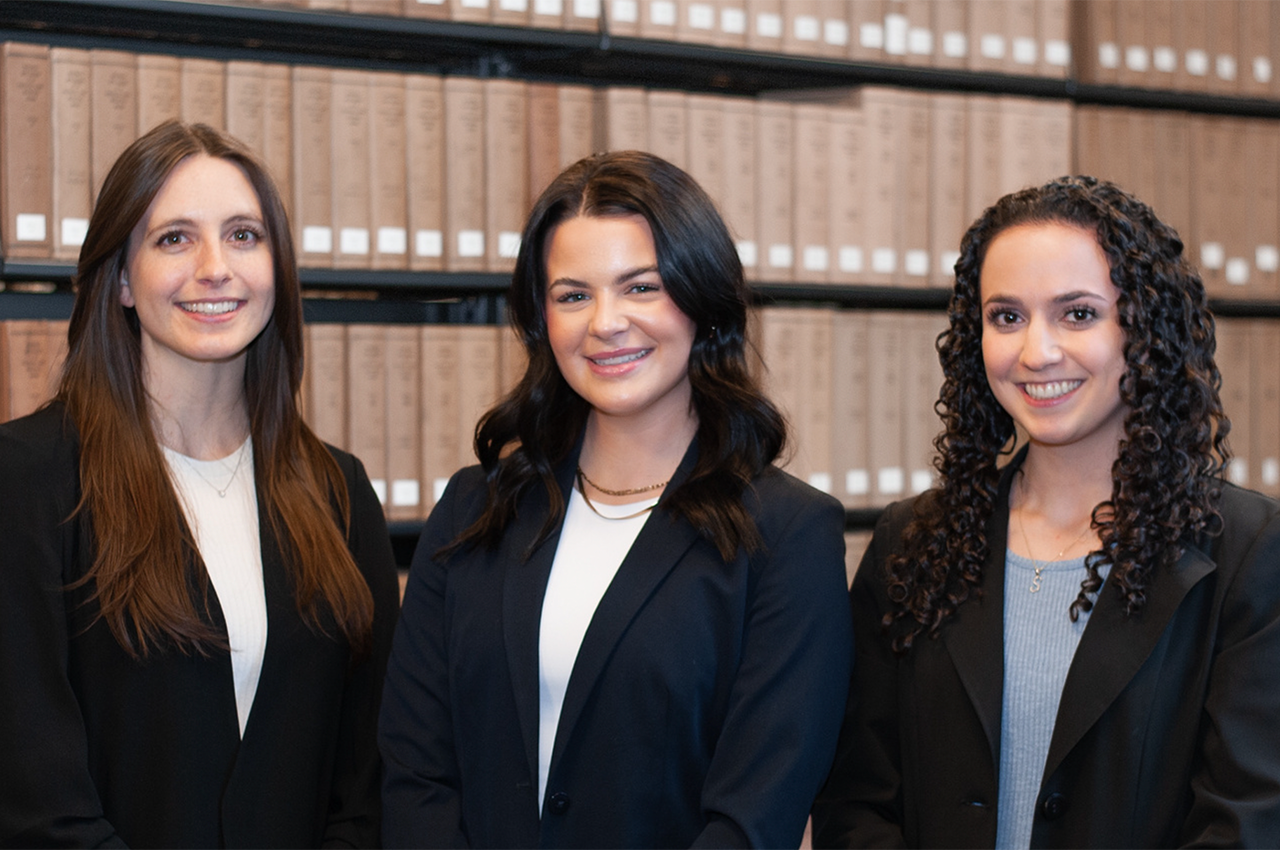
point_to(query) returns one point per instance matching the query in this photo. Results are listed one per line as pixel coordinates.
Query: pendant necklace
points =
(221, 491)
(1040, 565)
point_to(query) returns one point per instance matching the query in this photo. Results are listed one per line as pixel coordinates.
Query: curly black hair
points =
(1167, 478)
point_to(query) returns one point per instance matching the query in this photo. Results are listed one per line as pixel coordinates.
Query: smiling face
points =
(620, 341)
(199, 269)
(1052, 344)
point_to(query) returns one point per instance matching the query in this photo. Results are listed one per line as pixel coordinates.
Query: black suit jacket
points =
(1168, 730)
(702, 709)
(101, 749)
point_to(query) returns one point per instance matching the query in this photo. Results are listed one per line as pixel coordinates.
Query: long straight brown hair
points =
(146, 576)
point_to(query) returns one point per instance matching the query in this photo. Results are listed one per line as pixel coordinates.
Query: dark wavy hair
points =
(538, 425)
(1167, 478)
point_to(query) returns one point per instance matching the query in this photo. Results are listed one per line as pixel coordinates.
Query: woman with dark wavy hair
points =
(625, 627)
(1079, 647)
(199, 595)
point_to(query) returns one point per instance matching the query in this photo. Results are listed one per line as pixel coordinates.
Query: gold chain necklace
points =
(633, 491)
(1038, 565)
(582, 476)
(221, 491)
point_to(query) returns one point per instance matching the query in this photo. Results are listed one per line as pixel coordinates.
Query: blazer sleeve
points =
(1236, 785)
(47, 795)
(779, 734)
(422, 806)
(861, 804)
(354, 808)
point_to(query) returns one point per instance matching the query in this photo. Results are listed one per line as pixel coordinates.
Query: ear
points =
(126, 294)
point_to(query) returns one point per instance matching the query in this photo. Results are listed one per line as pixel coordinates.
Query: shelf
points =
(290, 35)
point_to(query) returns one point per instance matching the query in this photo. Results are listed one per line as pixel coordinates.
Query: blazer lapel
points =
(524, 585)
(975, 638)
(657, 549)
(1114, 646)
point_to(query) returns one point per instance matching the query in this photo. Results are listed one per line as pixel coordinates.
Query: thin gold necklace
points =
(633, 491)
(221, 491)
(1039, 565)
(582, 476)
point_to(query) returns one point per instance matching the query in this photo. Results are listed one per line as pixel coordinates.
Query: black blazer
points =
(1167, 734)
(100, 749)
(702, 709)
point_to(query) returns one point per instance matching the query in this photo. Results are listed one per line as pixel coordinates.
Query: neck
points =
(202, 415)
(622, 454)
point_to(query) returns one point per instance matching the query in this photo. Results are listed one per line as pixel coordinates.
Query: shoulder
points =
(43, 443)
(774, 492)
(1250, 527)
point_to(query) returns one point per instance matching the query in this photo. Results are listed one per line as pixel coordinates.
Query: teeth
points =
(210, 308)
(625, 358)
(1051, 390)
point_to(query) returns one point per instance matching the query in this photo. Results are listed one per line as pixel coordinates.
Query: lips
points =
(1050, 390)
(621, 358)
(210, 308)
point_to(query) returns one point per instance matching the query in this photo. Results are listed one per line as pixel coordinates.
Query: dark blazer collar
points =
(657, 549)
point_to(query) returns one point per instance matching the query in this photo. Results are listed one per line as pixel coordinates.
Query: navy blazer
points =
(702, 709)
(1167, 733)
(100, 749)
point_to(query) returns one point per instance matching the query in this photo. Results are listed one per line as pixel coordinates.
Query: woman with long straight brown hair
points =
(198, 594)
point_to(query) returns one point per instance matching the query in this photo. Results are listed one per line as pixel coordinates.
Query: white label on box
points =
(1270, 472)
(921, 480)
(437, 489)
(353, 240)
(1109, 54)
(513, 5)
(475, 4)
(895, 35)
(393, 240)
(1212, 256)
(626, 11)
(1197, 63)
(835, 32)
(1237, 271)
(405, 492)
(1136, 58)
(1164, 60)
(1057, 53)
(890, 480)
(552, 8)
(769, 25)
(747, 254)
(857, 482)
(807, 28)
(1238, 472)
(820, 481)
(430, 2)
(849, 258)
(815, 258)
(470, 243)
(74, 230)
(31, 227)
(947, 262)
(317, 240)
(702, 16)
(871, 36)
(1261, 69)
(780, 256)
(1266, 258)
(955, 45)
(662, 13)
(508, 244)
(920, 41)
(428, 243)
(586, 9)
(884, 261)
(1024, 51)
(991, 45)
(916, 262)
(733, 21)
(1226, 67)
(380, 489)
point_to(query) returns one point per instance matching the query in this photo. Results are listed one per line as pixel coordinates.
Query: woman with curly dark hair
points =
(1079, 647)
(625, 627)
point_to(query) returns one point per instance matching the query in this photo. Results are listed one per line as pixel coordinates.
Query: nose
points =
(213, 268)
(608, 317)
(1040, 345)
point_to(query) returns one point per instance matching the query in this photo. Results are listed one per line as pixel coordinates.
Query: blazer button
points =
(559, 803)
(1054, 806)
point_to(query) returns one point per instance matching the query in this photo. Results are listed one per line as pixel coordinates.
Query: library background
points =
(848, 143)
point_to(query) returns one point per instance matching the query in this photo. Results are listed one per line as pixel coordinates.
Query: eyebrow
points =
(1064, 298)
(622, 278)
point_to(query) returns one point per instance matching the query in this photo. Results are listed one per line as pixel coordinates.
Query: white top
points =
(590, 551)
(226, 532)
